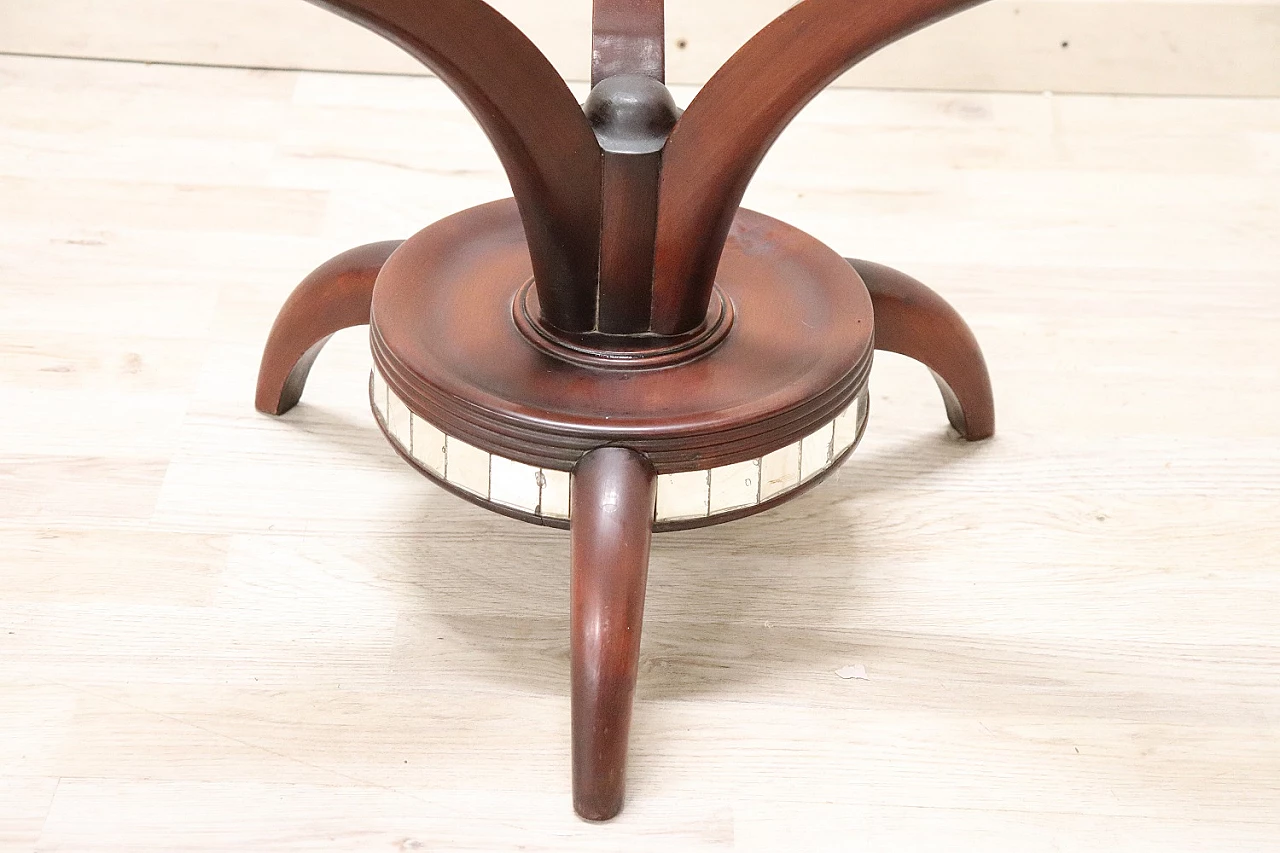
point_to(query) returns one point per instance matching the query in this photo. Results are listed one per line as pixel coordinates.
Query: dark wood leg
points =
(536, 125)
(612, 498)
(334, 297)
(912, 320)
(722, 138)
(627, 37)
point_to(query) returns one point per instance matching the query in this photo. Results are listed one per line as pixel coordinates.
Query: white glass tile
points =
(779, 471)
(694, 494)
(846, 430)
(398, 421)
(467, 467)
(815, 452)
(684, 495)
(514, 484)
(379, 394)
(555, 493)
(428, 446)
(735, 486)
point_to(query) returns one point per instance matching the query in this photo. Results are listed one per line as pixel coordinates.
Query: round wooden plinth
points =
(461, 381)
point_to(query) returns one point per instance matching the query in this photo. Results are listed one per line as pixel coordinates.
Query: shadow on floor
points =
(727, 605)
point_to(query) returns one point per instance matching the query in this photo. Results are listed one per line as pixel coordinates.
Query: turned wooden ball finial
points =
(631, 114)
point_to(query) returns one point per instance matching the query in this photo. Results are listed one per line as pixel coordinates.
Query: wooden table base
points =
(620, 349)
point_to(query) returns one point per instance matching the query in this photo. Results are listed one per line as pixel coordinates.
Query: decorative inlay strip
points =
(683, 495)
(544, 492)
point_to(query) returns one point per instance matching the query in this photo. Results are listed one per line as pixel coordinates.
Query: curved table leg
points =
(334, 297)
(534, 122)
(731, 124)
(612, 495)
(916, 322)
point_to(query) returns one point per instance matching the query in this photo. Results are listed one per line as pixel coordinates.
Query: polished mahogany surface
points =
(620, 347)
(798, 350)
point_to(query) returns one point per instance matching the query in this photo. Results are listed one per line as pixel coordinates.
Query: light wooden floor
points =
(221, 631)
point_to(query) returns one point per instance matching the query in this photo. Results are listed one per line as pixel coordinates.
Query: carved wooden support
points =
(719, 142)
(612, 495)
(914, 321)
(632, 115)
(627, 38)
(535, 124)
(334, 297)
(570, 358)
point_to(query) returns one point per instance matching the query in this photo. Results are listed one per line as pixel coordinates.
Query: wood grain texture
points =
(220, 630)
(1121, 46)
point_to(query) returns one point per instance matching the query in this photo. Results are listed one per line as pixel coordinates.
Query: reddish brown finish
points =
(636, 351)
(627, 38)
(612, 496)
(535, 124)
(631, 115)
(798, 353)
(916, 322)
(334, 297)
(733, 122)
(621, 317)
(626, 262)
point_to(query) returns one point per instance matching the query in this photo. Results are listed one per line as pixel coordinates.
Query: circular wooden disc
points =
(445, 337)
